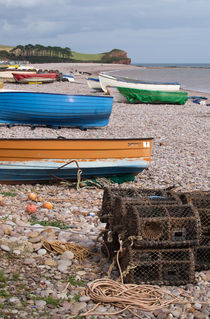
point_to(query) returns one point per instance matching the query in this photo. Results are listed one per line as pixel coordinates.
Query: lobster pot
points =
(110, 243)
(109, 199)
(198, 199)
(158, 267)
(145, 196)
(160, 226)
(201, 201)
(204, 215)
(202, 255)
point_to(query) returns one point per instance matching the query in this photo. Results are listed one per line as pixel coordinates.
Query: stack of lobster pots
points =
(161, 236)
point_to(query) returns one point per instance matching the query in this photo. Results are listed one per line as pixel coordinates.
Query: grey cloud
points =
(92, 24)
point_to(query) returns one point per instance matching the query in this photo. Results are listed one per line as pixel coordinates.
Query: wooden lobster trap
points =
(157, 226)
(202, 255)
(158, 266)
(134, 195)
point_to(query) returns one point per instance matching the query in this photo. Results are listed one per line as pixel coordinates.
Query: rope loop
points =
(79, 173)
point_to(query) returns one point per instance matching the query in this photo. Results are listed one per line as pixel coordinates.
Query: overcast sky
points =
(150, 31)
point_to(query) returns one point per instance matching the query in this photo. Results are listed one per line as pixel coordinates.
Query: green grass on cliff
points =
(86, 57)
(76, 56)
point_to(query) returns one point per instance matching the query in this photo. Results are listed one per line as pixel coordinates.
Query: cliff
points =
(116, 56)
(48, 54)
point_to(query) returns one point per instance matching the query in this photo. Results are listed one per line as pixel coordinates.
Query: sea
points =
(195, 77)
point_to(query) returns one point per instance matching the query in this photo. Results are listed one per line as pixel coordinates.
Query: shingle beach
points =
(34, 282)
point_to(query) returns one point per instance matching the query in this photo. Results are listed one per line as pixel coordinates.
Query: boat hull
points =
(54, 110)
(68, 77)
(94, 84)
(27, 78)
(117, 96)
(128, 95)
(107, 80)
(35, 174)
(38, 160)
(7, 76)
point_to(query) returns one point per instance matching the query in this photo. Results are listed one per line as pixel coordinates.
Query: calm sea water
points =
(191, 76)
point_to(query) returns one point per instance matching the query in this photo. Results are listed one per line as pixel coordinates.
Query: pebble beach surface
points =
(36, 283)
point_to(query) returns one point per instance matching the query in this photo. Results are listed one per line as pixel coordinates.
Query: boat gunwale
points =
(93, 79)
(75, 139)
(59, 94)
(124, 79)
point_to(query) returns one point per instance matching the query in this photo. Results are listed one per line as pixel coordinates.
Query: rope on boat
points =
(79, 173)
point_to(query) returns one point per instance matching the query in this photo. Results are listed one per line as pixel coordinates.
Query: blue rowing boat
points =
(54, 110)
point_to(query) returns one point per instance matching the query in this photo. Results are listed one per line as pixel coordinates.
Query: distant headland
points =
(54, 54)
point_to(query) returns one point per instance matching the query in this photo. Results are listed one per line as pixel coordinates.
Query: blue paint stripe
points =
(38, 175)
(93, 79)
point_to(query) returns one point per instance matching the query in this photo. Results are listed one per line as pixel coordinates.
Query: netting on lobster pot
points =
(158, 266)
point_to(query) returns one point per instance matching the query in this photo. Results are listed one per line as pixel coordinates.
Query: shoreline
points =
(94, 69)
(53, 284)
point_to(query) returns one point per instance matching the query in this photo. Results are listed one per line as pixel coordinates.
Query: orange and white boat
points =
(42, 160)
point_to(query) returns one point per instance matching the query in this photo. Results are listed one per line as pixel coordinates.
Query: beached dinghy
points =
(54, 110)
(42, 160)
(127, 95)
(68, 77)
(39, 77)
(108, 80)
(94, 84)
(7, 76)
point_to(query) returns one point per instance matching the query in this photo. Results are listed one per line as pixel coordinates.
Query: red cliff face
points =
(118, 56)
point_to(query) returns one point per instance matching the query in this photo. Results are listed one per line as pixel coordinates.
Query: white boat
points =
(108, 80)
(94, 84)
(68, 77)
(117, 96)
(26, 68)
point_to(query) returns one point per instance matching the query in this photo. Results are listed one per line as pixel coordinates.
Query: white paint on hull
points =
(54, 164)
(107, 80)
(95, 85)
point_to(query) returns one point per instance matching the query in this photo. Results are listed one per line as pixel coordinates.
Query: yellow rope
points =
(60, 247)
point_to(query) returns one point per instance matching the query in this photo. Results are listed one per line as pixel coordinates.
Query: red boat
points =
(38, 77)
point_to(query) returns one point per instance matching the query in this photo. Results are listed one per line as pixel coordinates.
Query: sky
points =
(150, 31)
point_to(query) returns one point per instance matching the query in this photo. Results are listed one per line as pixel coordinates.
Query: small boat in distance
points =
(128, 95)
(108, 80)
(44, 160)
(38, 77)
(94, 84)
(54, 110)
(68, 77)
(7, 76)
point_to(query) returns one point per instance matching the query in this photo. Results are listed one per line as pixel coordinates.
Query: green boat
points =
(153, 97)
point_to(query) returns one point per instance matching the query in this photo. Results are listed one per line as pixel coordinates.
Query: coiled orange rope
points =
(129, 297)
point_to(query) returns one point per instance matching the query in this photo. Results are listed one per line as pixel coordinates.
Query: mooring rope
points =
(131, 297)
(79, 173)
